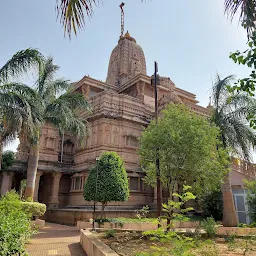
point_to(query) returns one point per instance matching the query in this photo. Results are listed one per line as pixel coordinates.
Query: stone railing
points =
(244, 167)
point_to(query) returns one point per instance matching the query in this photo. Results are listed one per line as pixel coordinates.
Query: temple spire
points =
(122, 18)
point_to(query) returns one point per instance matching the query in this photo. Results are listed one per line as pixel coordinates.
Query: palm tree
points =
(51, 105)
(15, 111)
(247, 10)
(230, 111)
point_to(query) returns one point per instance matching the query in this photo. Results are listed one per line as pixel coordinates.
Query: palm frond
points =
(46, 74)
(247, 10)
(72, 13)
(75, 101)
(55, 88)
(230, 115)
(21, 62)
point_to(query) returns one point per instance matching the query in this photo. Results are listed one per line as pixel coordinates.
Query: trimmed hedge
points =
(33, 209)
(15, 228)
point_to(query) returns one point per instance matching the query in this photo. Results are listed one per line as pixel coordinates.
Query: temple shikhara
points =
(122, 106)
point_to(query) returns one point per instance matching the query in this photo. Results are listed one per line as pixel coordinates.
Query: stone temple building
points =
(122, 108)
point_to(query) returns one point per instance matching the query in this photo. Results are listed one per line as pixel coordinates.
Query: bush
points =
(209, 225)
(213, 205)
(15, 227)
(110, 233)
(33, 209)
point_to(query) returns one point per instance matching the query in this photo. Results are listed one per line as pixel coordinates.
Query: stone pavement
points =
(56, 239)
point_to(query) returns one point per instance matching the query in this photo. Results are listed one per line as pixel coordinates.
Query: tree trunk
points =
(62, 145)
(31, 172)
(229, 212)
(103, 204)
(1, 150)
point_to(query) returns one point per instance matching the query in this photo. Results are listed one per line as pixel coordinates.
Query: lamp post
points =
(154, 82)
(95, 194)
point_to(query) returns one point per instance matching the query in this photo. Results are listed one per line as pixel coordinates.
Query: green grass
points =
(151, 220)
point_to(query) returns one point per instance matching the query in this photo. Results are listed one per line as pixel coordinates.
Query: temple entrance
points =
(45, 188)
(65, 184)
(16, 181)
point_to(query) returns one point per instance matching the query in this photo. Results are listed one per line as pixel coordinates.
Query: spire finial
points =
(122, 18)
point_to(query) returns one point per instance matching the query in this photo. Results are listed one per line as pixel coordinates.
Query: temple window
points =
(136, 184)
(132, 141)
(92, 93)
(50, 143)
(77, 182)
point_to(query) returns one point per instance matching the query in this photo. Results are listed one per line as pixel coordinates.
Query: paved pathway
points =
(56, 239)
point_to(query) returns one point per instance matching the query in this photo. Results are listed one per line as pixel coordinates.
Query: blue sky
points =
(190, 40)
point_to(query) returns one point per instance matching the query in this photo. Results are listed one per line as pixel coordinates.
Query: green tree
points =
(7, 160)
(49, 103)
(187, 151)
(247, 84)
(230, 111)
(107, 181)
(251, 198)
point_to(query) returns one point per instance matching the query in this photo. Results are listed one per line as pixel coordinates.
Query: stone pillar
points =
(38, 176)
(6, 182)
(54, 201)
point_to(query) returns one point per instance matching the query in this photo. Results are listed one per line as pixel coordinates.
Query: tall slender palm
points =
(230, 111)
(54, 107)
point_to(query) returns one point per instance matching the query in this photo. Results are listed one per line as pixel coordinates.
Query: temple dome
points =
(126, 61)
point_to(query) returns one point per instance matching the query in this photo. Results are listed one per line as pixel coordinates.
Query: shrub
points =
(209, 225)
(15, 227)
(143, 212)
(213, 205)
(111, 179)
(110, 233)
(33, 209)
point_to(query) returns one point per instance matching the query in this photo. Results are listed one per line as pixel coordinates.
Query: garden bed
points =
(132, 244)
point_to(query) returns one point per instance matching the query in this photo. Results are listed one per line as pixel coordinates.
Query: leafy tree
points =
(247, 84)
(251, 198)
(47, 103)
(7, 160)
(187, 151)
(107, 181)
(230, 110)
